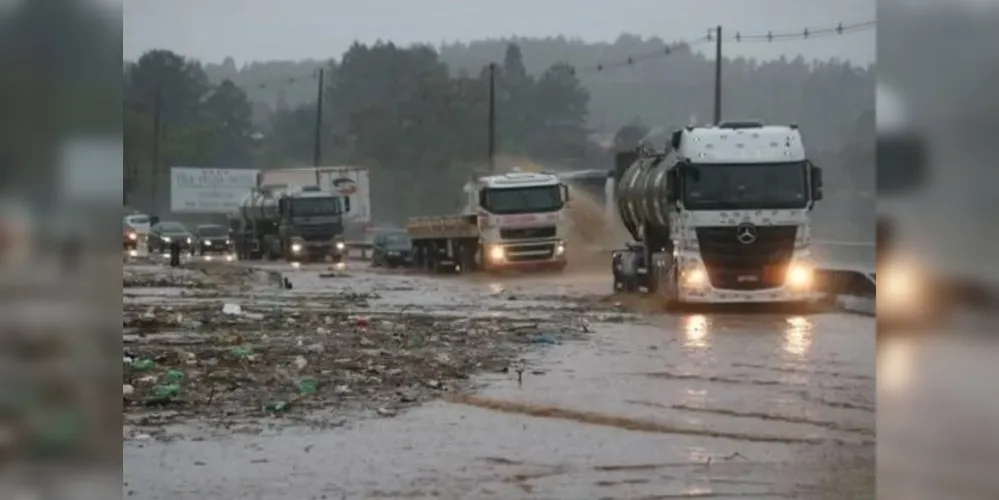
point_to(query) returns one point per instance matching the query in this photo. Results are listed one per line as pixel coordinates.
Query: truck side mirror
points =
(565, 192)
(816, 176)
(346, 204)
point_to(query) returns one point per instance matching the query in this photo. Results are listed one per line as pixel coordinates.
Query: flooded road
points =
(655, 406)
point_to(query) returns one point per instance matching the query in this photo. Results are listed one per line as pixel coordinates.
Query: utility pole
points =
(491, 151)
(157, 119)
(718, 74)
(317, 151)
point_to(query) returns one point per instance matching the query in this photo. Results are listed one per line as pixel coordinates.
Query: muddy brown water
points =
(661, 406)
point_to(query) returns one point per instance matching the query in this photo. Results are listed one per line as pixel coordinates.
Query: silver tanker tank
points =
(641, 195)
(260, 205)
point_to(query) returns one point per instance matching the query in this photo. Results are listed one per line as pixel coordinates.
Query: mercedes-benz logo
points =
(745, 233)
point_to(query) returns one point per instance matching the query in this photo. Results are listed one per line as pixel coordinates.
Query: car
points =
(130, 237)
(391, 249)
(163, 234)
(139, 223)
(212, 238)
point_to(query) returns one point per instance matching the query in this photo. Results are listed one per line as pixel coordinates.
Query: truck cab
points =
(311, 225)
(735, 202)
(522, 219)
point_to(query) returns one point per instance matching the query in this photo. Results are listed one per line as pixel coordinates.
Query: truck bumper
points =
(694, 286)
(545, 265)
(527, 255)
(709, 295)
(317, 252)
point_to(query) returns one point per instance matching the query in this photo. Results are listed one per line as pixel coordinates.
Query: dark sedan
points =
(391, 249)
(163, 234)
(212, 238)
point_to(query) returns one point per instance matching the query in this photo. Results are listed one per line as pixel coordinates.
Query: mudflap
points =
(850, 290)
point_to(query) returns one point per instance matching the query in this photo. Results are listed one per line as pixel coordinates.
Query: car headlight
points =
(497, 253)
(560, 248)
(296, 247)
(133, 236)
(340, 245)
(799, 276)
(166, 239)
(208, 243)
(189, 240)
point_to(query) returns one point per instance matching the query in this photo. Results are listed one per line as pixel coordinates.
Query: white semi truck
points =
(510, 221)
(722, 215)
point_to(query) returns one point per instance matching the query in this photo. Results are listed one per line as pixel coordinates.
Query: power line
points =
(805, 33)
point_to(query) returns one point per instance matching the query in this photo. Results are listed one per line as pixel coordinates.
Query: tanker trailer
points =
(721, 215)
(299, 225)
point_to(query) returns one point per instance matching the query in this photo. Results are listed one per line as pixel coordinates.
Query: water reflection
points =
(695, 329)
(798, 336)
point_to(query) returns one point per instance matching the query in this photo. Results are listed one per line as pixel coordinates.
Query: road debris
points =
(229, 363)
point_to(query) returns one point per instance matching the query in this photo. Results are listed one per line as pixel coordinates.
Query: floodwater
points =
(661, 406)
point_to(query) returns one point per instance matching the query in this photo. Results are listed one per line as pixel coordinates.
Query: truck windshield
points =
(315, 207)
(523, 200)
(745, 186)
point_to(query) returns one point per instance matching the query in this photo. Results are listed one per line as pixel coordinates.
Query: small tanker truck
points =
(296, 224)
(722, 215)
(510, 221)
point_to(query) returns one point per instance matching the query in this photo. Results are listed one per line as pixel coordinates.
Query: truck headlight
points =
(695, 277)
(497, 253)
(559, 248)
(166, 239)
(189, 240)
(133, 236)
(340, 245)
(208, 243)
(799, 276)
(296, 247)
(905, 288)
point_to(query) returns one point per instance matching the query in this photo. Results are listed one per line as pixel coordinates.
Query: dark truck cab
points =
(312, 227)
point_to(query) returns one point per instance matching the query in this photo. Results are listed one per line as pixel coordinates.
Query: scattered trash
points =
(143, 365)
(174, 376)
(241, 352)
(307, 386)
(164, 393)
(277, 406)
(544, 338)
(208, 356)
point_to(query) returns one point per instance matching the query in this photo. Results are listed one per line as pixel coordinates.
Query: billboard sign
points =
(209, 190)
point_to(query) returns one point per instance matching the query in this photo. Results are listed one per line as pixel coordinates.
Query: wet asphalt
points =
(755, 406)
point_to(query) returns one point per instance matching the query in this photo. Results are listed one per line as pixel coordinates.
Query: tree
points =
(230, 114)
(198, 125)
(560, 113)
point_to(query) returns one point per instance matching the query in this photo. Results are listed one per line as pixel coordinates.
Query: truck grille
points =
(527, 253)
(319, 232)
(523, 233)
(732, 265)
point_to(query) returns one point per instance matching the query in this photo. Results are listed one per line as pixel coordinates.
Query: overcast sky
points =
(251, 30)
